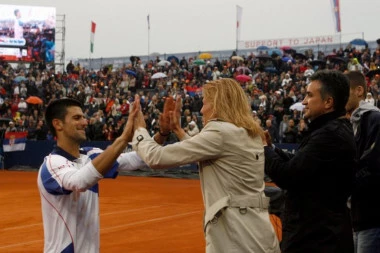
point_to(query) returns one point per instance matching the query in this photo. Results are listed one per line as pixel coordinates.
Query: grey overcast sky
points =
(200, 25)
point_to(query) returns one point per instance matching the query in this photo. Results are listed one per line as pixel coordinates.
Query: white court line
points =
(102, 229)
(102, 214)
(21, 227)
(21, 243)
(148, 221)
(131, 210)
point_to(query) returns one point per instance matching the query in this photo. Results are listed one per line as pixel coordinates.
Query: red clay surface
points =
(137, 214)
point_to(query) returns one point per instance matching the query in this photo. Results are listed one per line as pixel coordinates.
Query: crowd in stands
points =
(275, 82)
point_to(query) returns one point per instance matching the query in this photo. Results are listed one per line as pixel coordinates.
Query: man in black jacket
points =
(365, 204)
(317, 179)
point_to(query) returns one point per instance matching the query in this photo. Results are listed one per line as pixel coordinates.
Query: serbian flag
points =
(336, 13)
(93, 27)
(239, 13)
(14, 141)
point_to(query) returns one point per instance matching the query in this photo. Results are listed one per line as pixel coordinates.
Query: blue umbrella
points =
(19, 79)
(286, 59)
(359, 42)
(275, 51)
(130, 72)
(262, 48)
(170, 58)
(271, 70)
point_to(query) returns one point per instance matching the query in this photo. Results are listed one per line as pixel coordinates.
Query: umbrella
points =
(205, 56)
(264, 57)
(271, 70)
(19, 79)
(288, 49)
(337, 60)
(130, 72)
(297, 106)
(163, 63)
(300, 56)
(371, 73)
(173, 57)
(262, 48)
(34, 100)
(199, 62)
(331, 55)
(286, 59)
(244, 69)
(317, 62)
(359, 42)
(237, 58)
(158, 75)
(275, 51)
(243, 78)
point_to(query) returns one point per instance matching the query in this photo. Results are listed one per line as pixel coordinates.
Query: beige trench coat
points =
(232, 180)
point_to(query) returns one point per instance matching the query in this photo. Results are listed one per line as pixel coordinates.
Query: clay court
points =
(137, 214)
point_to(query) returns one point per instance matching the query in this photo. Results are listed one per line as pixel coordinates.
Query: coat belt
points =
(236, 201)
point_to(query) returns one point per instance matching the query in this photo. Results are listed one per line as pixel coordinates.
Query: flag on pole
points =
(148, 22)
(93, 27)
(14, 141)
(239, 13)
(336, 12)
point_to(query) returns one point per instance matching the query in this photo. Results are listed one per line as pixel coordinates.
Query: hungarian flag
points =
(93, 27)
(14, 141)
(239, 13)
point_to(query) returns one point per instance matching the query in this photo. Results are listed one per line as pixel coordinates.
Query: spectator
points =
(365, 208)
(11, 127)
(192, 129)
(272, 130)
(369, 99)
(318, 177)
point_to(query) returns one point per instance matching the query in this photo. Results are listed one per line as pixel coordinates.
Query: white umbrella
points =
(158, 75)
(297, 106)
(163, 63)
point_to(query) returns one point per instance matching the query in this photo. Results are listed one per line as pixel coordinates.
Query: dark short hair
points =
(16, 11)
(57, 109)
(335, 84)
(357, 79)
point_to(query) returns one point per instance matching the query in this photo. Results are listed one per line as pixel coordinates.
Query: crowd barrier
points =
(35, 151)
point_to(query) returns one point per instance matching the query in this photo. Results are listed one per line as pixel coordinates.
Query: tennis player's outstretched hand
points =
(137, 117)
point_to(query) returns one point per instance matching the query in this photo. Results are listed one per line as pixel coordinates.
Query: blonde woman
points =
(229, 150)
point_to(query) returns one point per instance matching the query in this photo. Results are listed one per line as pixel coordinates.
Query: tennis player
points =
(68, 179)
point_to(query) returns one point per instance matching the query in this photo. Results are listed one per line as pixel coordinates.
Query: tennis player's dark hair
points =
(57, 109)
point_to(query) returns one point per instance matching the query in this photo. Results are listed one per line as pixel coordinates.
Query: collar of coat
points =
(323, 119)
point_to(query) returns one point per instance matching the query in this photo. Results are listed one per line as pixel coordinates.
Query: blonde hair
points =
(230, 104)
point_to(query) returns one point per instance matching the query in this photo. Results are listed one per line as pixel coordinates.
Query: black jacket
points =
(317, 180)
(365, 204)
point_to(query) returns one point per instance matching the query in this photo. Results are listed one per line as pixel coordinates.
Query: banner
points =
(336, 13)
(148, 22)
(239, 14)
(93, 27)
(291, 42)
(14, 141)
